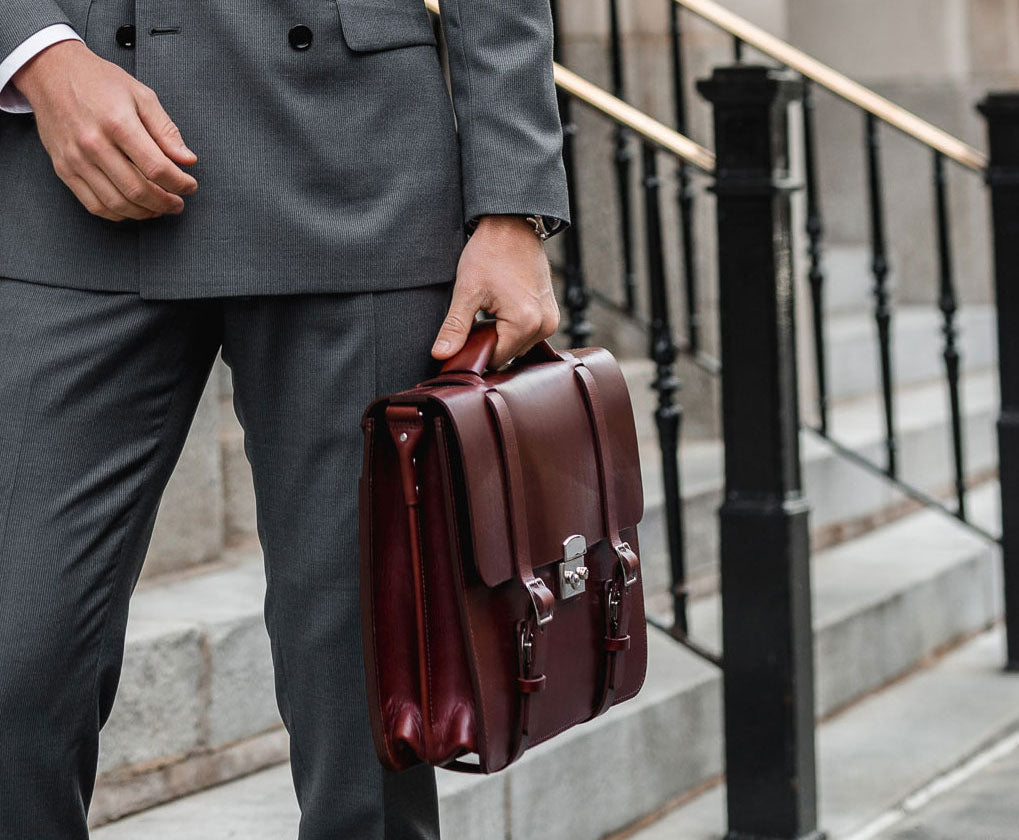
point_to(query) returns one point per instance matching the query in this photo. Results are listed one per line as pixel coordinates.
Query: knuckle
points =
(114, 124)
(90, 141)
(454, 323)
(156, 170)
(62, 168)
(550, 323)
(531, 321)
(170, 129)
(135, 193)
(146, 94)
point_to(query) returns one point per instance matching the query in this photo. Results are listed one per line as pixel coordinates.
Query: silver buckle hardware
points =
(542, 609)
(629, 576)
(573, 574)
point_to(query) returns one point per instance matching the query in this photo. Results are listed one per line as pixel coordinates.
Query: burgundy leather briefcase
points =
(500, 585)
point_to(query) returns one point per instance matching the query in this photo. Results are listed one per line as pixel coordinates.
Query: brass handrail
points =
(842, 86)
(615, 109)
(647, 127)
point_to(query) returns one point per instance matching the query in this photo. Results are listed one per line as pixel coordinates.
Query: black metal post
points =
(668, 414)
(765, 541)
(1001, 111)
(576, 296)
(684, 195)
(879, 268)
(815, 232)
(622, 160)
(948, 305)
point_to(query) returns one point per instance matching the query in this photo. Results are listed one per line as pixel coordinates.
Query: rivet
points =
(403, 437)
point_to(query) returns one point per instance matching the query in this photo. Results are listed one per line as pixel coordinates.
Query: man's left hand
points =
(504, 271)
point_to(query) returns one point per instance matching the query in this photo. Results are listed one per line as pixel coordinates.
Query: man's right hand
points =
(109, 139)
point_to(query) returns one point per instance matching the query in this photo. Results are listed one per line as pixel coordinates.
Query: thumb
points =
(163, 130)
(456, 326)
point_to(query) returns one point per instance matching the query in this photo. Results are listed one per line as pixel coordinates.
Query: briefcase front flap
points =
(555, 437)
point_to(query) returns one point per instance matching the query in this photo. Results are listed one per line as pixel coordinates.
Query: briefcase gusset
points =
(501, 591)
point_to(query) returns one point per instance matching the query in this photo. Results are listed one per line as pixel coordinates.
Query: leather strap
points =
(618, 603)
(406, 427)
(542, 598)
(532, 638)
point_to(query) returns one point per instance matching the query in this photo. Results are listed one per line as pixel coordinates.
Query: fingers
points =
(153, 164)
(161, 128)
(134, 188)
(521, 328)
(459, 320)
(111, 199)
(86, 195)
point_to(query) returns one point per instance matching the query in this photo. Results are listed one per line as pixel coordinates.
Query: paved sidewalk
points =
(984, 806)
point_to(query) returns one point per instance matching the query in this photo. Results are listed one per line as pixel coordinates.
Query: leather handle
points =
(476, 353)
(479, 348)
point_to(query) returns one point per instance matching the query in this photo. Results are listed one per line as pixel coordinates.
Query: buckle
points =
(628, 561)
(542, 600)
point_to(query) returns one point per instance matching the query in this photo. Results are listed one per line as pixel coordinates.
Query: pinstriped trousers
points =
(97, 391)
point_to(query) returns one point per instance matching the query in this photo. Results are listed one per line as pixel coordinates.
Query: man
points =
(284, 181)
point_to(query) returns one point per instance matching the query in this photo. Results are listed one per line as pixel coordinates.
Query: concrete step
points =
(893, 746)
(917, 345)
(885, 601)
(845, 498)
(874, 761)
(847, 278)
(196, 702)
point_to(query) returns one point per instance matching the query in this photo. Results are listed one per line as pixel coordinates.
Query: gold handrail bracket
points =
(842, 86)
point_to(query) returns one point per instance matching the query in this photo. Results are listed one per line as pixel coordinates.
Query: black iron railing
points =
(764, 553)
(764, 558)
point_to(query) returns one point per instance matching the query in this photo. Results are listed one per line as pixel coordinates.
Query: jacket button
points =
(300, 37)
(125, 36)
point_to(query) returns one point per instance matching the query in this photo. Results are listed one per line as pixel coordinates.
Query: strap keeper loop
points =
(617, 645)
(531, 685)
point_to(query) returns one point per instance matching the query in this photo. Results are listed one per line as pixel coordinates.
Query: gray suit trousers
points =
(97, 391)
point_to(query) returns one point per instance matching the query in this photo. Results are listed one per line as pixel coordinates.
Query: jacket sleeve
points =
(511, 139)
(20, 19)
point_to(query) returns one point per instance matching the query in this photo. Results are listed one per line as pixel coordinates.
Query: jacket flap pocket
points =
(370, 25)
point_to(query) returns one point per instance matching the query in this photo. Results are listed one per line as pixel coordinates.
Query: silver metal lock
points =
(573, 574)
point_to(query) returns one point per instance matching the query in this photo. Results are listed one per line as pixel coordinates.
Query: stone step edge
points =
(127, 791)
(897, 609)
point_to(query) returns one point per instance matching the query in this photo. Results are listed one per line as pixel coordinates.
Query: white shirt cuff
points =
(11, 99)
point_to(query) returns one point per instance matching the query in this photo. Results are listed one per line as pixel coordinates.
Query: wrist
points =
(505, 223)
(31, 78)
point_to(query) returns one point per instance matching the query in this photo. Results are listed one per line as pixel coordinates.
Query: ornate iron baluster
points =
(622, 158)
(947, 304)
(576, 296)
(668, 415)
(684, 194)
(815, 232)
(879, 268)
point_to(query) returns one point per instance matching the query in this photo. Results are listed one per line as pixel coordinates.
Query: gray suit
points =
(334, 168)
(318, 254)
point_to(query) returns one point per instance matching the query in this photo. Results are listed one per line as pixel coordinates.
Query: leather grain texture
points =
(470, 485)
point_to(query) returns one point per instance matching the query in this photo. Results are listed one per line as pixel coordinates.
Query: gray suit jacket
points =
(337, 167)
